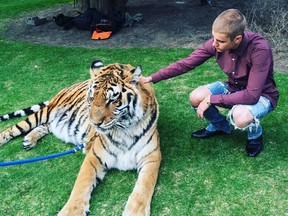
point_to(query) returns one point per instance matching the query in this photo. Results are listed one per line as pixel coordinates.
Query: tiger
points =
(115, 115)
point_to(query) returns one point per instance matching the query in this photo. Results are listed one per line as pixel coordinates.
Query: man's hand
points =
(145, 79)
(203, 106)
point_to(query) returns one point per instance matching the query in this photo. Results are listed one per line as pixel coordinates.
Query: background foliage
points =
(269, 18)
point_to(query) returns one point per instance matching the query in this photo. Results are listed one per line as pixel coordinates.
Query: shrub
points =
(269, 18)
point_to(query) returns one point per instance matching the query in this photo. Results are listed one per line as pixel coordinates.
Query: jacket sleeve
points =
(182, 66)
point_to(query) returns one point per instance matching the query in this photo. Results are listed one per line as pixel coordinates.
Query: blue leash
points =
(18, 162)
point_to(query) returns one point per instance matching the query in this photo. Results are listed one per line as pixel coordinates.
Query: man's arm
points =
(182, 66)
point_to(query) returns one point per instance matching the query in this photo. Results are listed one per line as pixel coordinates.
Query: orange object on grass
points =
(101, 35)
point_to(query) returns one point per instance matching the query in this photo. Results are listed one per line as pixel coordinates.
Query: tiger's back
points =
(66, 116)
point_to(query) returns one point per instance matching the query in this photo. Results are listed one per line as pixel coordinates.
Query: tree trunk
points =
(103, 6)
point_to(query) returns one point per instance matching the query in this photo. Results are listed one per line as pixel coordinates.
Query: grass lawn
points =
(197, 177)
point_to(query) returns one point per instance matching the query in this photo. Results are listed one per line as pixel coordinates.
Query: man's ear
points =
(238, 39)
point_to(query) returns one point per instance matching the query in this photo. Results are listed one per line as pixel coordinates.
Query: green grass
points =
(9, 9)
(197, 177)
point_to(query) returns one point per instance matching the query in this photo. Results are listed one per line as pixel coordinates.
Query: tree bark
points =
(103, 6)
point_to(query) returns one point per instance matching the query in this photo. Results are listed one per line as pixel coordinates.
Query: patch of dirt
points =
(165, 24)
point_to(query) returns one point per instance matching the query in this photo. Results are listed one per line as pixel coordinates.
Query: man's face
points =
(222, 42)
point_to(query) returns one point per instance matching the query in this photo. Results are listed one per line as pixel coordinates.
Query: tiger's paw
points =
(31, 139)
(73, 210)
(4, 138)
(137, 206)
(28, 143)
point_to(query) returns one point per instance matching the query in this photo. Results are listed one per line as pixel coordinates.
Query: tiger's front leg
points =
(139, 200)
(90, 173)
(30, 140)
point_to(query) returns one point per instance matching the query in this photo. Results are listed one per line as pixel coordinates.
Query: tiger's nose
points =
(98, 113)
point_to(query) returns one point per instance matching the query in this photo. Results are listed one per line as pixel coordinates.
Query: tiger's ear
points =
(95, 65)
(136, 73)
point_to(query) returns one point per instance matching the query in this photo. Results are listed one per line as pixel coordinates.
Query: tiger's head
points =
(113, 98)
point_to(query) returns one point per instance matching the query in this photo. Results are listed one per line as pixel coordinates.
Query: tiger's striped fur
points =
(116, 115)
(66, 116)
(71, 134)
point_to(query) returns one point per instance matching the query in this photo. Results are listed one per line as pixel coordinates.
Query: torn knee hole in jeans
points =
(253, 126)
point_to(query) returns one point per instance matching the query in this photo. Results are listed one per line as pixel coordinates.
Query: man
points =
(250, 91)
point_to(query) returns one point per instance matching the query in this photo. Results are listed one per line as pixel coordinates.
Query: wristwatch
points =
(208, 100)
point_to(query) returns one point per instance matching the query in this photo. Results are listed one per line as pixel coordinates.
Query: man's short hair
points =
(230, 22)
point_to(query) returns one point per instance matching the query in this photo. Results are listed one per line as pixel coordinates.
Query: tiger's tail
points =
(32, 122)
(24, 112)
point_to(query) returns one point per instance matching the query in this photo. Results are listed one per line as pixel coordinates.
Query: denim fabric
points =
(258, 110)
(218, 88)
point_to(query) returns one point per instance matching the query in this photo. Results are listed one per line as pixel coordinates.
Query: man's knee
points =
(198, 95)
(242, 117)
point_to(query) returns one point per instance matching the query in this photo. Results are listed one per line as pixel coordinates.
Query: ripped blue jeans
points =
(259, 110)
